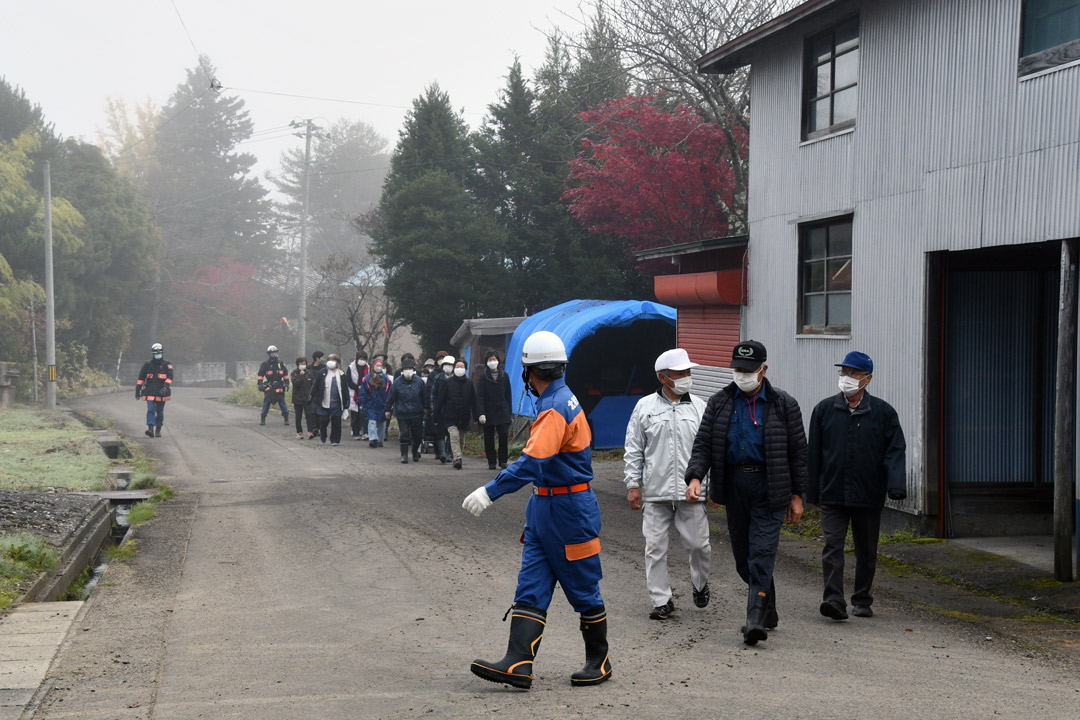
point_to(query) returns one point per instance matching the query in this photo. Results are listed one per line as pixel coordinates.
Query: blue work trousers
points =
(556, 527)
(278, 399)
(155, 412)
(753, 527)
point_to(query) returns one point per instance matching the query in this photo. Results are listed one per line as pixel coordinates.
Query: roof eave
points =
(696, 246)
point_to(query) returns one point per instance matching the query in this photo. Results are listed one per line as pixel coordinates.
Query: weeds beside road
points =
(40, 449)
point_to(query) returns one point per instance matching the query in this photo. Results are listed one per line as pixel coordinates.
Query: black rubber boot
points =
(286, 418)
(771, 619)
(526, 629)
(754, 630)
(149, 431)
(262, 420)
(404, 453)
(597, 666)
(157, 431)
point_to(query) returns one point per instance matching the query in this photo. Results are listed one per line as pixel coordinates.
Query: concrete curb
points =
(78, 552)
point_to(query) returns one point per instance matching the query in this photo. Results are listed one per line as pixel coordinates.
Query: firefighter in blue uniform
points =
(562, 523)
(273, 382)
(155, 387)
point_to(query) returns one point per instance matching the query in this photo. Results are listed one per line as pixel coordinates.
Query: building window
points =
(831, 80)
(825, 278)
(1050, 35)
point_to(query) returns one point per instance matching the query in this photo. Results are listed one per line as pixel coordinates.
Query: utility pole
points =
(33, 347)
(50, 303)
(301, 331)
(1064, 429)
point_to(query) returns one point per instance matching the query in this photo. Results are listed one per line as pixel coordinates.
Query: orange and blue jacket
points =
(155, 380)
(558, 451)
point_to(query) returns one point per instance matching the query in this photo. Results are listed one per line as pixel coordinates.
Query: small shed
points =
(477, 336)
(611, 346)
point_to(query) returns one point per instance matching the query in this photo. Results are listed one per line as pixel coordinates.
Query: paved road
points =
(295, 580)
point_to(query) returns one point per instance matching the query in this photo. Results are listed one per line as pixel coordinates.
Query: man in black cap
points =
(751, 439)
(856, 459)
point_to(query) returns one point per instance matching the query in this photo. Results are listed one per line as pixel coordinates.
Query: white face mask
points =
(493, 364)
(303, 367)
(447, 370)
(746, 381)
(849, 385)
(407, 374)
(332, 364)
(379, 370)
(424, 378)
(460, 372)
(682, 385)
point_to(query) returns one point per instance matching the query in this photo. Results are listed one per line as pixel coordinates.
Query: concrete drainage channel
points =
(105, 525)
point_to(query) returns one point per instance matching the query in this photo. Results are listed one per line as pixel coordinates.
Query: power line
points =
(198, 55)
(330, 99)
(175, 115)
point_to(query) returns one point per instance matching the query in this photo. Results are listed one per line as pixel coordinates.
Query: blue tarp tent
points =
(611, 346)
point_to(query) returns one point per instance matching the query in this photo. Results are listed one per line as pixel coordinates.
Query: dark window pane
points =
(847, 68)
(824, 80)
(1049, 23)
(840, 239)
(844, 103)
(840, 274)
(814, 277)
(819, 114)
(814, 311)
(847, 36)
(815, 243)
(821, 48)
(840, 309)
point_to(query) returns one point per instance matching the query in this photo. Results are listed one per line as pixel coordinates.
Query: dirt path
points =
(295, 580)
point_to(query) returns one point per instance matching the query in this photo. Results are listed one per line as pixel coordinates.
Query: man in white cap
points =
(659, 439)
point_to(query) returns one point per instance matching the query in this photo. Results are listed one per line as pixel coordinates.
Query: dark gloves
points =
(166, 391)
(138, 393)
(262, 386)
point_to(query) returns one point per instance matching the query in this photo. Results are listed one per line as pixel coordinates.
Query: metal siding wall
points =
(709, 380)
(950, 152)
(708, 334)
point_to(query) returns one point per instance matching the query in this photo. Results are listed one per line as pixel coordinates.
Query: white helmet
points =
(272, 348)
(448, 360)
(156, 347)
(543, 348)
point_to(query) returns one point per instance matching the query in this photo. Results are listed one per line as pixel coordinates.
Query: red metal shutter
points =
(709, 333)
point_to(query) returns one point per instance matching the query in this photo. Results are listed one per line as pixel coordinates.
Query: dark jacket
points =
(318, 388)
(408, 399)
(434, 382)
(273, 377)
(155, 380)
(856, 459)
(785, 446)
(301, 385)
(457, 402)
(374, 390)
(493, 399)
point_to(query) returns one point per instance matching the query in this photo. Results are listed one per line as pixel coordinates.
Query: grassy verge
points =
(122, 553)
(22, 558)
(41, 449)
(146, 510)
(246, 393)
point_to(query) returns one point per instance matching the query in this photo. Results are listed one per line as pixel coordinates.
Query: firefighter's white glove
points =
(478, 501)
(482, 419)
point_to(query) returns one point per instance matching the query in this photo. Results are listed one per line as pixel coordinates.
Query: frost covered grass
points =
(22, 558)
(40, 449)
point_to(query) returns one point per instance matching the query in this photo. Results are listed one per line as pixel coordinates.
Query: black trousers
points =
(753, 527)
(410, 433)
(489, 442)
(358, 422)
(331, 419)
(300, 412)
(865, 525)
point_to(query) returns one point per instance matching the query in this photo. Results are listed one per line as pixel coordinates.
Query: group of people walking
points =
(745, 448)
(435, 403)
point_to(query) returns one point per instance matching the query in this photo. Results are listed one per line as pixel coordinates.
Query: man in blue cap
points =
(856, 459)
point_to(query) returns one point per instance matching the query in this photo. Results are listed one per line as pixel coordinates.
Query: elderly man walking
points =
(856, 458)
(659, 438)
(752, 440)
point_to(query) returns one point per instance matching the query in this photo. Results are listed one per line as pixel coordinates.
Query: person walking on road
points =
(856, 459)
(493, 403)
(562, 523)
(659, 438)
(273, 382)
(329, 393)
(373, 393)
(155, 387)
(752, 441)
(358, 370)
(409, 401)
(457, 407)
(445, 365)
(301, 389)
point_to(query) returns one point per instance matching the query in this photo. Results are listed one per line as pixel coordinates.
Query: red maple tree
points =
(654, 175)
(225, 288)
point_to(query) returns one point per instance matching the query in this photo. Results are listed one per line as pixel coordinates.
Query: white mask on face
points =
(459, 372)
(682, 385)
(332, 364)
(379, 370)
(408, 374)
(447, 370)
(303, 367)
(849, 385)
(748, 382)
(493, 364)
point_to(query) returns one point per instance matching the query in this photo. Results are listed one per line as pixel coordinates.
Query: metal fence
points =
(193, 373)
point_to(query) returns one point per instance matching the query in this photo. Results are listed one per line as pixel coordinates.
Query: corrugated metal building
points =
(914, 169)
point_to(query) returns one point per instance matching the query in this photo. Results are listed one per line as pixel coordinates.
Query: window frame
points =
(810, 65)
(804, 232)
(1047, 59)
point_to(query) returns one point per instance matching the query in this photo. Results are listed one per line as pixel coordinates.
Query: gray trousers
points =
(692, 524)
(865, 524)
